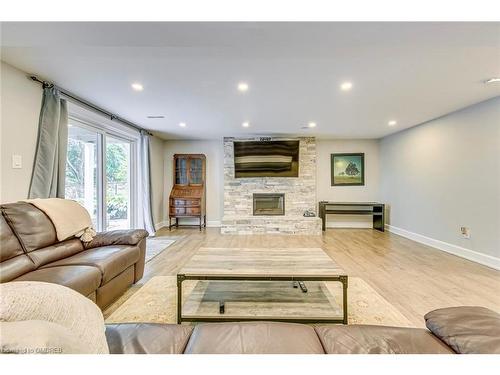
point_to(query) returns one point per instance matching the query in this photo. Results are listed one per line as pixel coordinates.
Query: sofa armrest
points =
(117, 237)
(466, 329)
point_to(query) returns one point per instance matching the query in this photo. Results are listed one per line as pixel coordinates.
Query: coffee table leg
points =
(343, 280)
(180, 279)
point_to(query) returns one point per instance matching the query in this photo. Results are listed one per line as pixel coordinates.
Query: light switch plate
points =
(17, 161)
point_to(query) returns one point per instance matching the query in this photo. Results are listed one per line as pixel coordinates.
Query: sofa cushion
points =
(57, 304)
(110, 260)
(10, 244)
(254, 338)
(32, 227)
(57, 251)
(13, 260)
(147, 338)
(367, 339)
(83, 279)
(467, 329)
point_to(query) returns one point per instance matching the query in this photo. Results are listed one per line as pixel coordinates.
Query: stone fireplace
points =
(268, 204)
(298, 194)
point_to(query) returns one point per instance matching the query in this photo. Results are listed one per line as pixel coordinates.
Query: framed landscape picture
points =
(348, 169)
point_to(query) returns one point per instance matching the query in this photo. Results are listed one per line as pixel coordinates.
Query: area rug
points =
(156, 302)
(156, 245)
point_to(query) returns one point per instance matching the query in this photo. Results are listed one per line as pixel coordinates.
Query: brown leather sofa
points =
(462, 330)
(100, 270)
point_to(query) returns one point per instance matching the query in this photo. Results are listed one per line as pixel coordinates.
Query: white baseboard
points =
(161, 224)
(484, 259)
(210, 223)
(357, 225)
(214, 223)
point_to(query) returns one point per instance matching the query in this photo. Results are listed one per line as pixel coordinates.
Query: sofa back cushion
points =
(466, 329)
(253, 338)
(371, 339)
(31, 226)
(13, 261)
(55, 252)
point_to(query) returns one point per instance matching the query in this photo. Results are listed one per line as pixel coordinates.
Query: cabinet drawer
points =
(185, 202)
(192, 210)
(177, 211)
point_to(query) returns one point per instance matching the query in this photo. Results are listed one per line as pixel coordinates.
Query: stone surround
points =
(300, 195)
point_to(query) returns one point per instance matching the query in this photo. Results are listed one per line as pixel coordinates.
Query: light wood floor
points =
(414, 278)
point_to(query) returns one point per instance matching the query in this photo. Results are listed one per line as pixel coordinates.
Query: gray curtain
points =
(49, 168)
(145, 180)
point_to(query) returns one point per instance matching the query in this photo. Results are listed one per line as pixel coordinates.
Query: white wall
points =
(445, 174)
(20, 101)
(214, 152)
(367, 193)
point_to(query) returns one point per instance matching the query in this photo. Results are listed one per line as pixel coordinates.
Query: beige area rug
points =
(155, 302)
(156, 245)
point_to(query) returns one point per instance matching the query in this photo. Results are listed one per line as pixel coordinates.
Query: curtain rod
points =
(87, 104)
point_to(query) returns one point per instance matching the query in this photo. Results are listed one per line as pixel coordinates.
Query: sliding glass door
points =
(100, 172)
(118, 187)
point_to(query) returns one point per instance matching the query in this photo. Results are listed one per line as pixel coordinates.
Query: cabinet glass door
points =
(195, 171)
(181, 171)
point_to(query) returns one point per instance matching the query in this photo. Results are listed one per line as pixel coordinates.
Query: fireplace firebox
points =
(268, 204)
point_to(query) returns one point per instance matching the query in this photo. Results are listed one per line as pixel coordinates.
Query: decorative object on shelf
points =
(187, 198)
(348, 169)
(309, 213)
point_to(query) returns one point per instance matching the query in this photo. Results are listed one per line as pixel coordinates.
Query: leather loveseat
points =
(100, 270)
(463, 330)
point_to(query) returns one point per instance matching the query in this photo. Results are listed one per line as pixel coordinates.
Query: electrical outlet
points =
(465, 232)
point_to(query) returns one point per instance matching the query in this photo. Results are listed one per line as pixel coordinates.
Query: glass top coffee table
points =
(245, 284)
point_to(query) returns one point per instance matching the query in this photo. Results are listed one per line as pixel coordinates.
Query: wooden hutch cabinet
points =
(188, 195)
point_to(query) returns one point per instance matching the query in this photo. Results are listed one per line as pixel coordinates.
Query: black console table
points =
(376, 210)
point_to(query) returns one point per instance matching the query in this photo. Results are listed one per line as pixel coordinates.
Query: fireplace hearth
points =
(268, 204)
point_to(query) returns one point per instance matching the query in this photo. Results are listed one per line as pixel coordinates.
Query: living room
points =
(250, 187)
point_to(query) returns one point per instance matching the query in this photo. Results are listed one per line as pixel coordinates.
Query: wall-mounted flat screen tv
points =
(266, 159)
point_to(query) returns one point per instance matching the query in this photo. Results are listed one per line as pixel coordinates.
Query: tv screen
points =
(266, 159)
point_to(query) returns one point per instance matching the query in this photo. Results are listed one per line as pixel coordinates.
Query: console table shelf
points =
(377, 210)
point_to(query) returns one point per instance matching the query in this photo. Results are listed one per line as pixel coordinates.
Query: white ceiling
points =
(410, 72)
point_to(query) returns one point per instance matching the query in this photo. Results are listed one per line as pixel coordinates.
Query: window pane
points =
(117, 184)
(81, 169)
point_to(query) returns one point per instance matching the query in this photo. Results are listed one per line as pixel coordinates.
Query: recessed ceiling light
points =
(182, 124)
(392, 122)
(243, 86)
(346, 86)
(245, 124)
(493, 80)
(137, 86)
(311, 125)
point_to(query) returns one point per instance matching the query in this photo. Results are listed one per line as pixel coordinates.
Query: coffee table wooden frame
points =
(182, 277)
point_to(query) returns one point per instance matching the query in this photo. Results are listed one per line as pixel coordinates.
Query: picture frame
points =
(347, 169)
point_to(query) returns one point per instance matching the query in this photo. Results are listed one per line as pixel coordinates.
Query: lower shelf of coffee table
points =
(263, 300)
